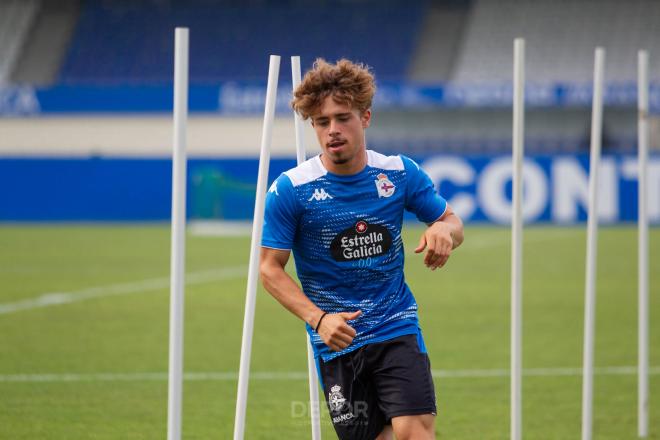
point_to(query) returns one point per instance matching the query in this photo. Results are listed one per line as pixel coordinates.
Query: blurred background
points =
(86, 95)
(86, 100)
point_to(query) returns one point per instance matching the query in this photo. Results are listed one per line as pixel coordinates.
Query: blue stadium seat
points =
(132, 42)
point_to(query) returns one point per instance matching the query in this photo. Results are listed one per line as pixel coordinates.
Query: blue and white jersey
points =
(345, 234)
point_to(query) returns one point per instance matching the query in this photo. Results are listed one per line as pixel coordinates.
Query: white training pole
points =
(643, 246)
(296, 76)
(255, 251)
(314, 409)
(516, 237)
(178, 244)
(592, 230)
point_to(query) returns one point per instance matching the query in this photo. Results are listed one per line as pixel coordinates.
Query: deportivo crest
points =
(336, 398)
(360, 241)
(384, 186)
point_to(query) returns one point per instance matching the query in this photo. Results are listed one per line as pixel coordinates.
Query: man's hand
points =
(438, 242)
(440, 238)
(334, 330)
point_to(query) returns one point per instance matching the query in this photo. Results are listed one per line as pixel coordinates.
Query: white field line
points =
(201, 228)
(58, 298)
(224, 376)
(200, 277)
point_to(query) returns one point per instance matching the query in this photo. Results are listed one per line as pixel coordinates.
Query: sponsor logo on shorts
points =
(343, 418)
(339, 404)
(336, 399)
(363, 240)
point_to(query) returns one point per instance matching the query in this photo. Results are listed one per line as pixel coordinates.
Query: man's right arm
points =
(334, 331)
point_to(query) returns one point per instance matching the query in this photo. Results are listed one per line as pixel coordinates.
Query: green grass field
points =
(89, 359)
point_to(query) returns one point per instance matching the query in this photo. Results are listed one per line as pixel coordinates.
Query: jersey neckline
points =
(345, 177)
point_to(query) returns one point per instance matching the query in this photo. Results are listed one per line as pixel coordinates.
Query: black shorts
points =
(366, 388)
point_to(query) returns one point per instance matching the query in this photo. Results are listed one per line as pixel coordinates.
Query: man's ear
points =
(366, 118)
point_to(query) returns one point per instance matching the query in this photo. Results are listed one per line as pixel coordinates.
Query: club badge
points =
(384, 186)
(336, 398)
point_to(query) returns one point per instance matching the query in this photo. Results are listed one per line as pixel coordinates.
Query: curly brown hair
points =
(347, 82)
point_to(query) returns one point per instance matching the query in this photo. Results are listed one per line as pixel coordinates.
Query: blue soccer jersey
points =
(345, 234)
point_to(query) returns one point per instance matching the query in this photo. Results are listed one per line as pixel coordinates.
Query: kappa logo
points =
(319, 194)
(384, 186)
(336, 398)
(273, 188)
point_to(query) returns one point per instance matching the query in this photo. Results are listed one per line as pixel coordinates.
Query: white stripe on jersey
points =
(307, 171)
(377, 160)
(313, 168)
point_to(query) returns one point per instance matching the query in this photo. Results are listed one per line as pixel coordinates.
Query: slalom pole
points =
(643, 246)
(255, 250)
(178, 240)
(314, 410)
(516, 237)
(592, 231)
(299, 124)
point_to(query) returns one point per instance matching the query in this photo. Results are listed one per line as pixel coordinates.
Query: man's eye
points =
(322, 123)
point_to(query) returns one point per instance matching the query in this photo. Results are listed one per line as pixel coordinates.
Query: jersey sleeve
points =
(281, 215)
(421, 197)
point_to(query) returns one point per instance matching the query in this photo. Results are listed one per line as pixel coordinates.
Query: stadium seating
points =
(561, 37)
(46, 44)
(439, 42)
(465, 43)
(451, 40)
(16, 17)
(232, 41)
(443, 40)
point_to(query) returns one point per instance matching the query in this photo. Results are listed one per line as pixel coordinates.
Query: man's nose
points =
(334, 127)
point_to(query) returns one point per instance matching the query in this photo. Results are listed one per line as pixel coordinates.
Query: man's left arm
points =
(440, 239)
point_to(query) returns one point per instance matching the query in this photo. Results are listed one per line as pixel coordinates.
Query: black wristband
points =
(318, 324)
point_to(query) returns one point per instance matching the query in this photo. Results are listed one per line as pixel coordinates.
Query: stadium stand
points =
(47, 43)
(232, 40)
(125, 45)
(487, 131)
(16, 17)
(439, 41)
(561, 37)
(459, 41)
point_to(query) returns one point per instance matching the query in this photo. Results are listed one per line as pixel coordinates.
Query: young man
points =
(341, 213)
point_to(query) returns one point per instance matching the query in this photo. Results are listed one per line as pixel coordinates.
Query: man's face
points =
(340, 131)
